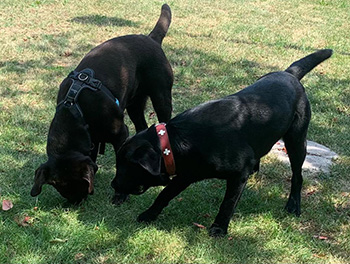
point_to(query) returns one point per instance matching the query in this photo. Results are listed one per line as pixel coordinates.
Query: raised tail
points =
(161, 28)
(306, 64)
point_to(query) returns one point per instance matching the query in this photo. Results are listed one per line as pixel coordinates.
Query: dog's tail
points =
(306, 64)
(161, 28)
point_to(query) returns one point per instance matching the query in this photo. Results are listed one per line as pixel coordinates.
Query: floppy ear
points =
(90, 169)
(148, 159)
(90, 180)
(41, 176)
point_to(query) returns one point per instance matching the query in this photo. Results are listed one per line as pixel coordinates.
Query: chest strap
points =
(80, 81)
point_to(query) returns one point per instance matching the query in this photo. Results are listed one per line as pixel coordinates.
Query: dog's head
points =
(139, 166)
(71, 176)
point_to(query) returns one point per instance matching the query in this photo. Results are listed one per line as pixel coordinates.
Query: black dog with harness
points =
(131, 68)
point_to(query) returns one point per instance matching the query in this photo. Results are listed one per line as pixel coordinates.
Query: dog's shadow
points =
(100, 20)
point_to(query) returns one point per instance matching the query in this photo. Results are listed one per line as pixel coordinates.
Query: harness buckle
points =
(83, 76)
(68, 103)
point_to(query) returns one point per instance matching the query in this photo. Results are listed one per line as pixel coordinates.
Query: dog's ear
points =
(147, 158)
(89, 167)
(41, 177)
(89, 178)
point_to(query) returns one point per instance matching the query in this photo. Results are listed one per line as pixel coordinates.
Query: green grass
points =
(215, 48)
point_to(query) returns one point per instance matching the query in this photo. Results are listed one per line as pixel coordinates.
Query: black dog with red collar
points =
(224, 139)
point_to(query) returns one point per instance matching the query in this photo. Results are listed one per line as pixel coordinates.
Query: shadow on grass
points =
(100, 20)
(200, 202)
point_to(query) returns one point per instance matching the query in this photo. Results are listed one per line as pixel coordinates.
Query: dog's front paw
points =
(147, 217)
(119, 198)
(293, 207)
(216, 231)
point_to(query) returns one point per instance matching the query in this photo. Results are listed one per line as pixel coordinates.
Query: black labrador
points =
(119, 74)
(223, 139)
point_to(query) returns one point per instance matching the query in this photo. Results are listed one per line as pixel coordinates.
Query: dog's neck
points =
(70, 135)
(166, 150)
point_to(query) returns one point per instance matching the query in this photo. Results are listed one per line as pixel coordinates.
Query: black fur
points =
(224, 139)
(133, 68)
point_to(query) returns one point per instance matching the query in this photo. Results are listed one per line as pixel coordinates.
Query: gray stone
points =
(318, 158)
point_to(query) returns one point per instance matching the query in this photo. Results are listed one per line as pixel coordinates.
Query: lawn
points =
(215, 48)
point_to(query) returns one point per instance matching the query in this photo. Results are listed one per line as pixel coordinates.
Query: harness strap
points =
(165, 147)
(80, 81)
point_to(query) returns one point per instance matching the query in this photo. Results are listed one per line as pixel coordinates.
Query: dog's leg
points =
(163, 108)
(120, 198)
(296, 148)
(257, 166)
(295, 142)
(136, 113)
(94, 151)
(234, 188)
(175, 187)
(162, 102)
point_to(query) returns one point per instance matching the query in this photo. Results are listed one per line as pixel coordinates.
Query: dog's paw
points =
(216, 231)
(292, 207)
(119, 198)
(147, 217)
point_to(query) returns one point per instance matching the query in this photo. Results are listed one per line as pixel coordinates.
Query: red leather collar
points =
(165, 147)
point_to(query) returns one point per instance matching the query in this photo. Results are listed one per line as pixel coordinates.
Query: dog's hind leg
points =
(162, 105)
(160, 95)
(136, 112)
(296, 149)
(295, 142)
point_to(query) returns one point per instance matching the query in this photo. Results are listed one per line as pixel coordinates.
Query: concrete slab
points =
(318, 158)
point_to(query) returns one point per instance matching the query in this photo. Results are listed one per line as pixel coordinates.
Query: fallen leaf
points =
(283, 150)
(35, 208)
(79, 256)
(206, 215)
(26, 221)
(199, 225)
(58, 240)
(321, 237)
(345, 194)
(230, 238)
(152, 115)
(322, 255)
(180, 199)
(310, 192)
(6, 205)
(67, 54)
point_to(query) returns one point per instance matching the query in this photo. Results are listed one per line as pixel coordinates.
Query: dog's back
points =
(260, 114)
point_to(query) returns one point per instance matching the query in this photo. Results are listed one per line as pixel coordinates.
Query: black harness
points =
(80, 81)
